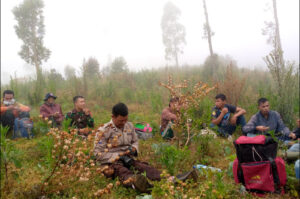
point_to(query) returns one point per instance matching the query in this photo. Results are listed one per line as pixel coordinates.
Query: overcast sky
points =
(77, 29)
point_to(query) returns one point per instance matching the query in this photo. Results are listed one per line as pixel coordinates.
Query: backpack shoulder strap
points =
(275, 175)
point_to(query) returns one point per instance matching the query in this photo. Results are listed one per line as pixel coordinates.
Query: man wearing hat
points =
(51, 110)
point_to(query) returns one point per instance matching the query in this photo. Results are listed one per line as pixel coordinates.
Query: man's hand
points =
(131, 151)
(293, 136)
(10, 107)
(56, 114)
(262, 128)
(84, 131)
(86, 111)
(224, 110)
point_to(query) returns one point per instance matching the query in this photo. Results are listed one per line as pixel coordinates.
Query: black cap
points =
(48, 95)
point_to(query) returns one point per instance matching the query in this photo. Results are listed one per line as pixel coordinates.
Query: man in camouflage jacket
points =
(116, 145)
(80, 116)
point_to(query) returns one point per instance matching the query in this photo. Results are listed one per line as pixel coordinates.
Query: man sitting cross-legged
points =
(116, 147)
(221, 116)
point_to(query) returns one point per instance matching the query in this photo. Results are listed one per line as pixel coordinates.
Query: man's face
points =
(51, 100)
(80, 103)
(8, 97)
(298, 123)
(264, 108)
(220, 103)
(119, 121)
(175, 105)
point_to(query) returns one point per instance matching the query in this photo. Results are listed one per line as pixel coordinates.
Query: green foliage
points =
(119, 65)
(170, 157)
(9, 155)
(44, 147)
(30, 29)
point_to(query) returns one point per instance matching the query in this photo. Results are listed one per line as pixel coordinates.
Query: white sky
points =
(77, 29)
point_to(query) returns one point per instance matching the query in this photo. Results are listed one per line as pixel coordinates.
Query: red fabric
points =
(235, 170)
(259, 139)
(47, 110)
(281, 171)
(258, 175)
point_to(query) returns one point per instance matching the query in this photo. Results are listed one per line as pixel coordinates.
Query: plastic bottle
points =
(201, 166)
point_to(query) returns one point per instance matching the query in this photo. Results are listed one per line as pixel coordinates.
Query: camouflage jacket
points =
(110, 141)
(80, 120)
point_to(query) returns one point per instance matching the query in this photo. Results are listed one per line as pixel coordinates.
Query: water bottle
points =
(204, 167)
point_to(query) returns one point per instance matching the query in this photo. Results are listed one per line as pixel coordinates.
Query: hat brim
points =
(49, 97)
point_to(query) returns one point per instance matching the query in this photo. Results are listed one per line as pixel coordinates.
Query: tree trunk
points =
(176, 60)
(278, 50)
(209, 34)
(277, 36)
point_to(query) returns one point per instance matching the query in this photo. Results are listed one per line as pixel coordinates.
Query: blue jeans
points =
(297, 169)
(23, 127)
(226, 130)
(295, 148)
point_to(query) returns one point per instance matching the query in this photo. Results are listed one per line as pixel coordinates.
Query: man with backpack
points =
(15, 115)
(265, 121)
(221, 116)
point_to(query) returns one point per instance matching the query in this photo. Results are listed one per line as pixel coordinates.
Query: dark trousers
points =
(124, 173)
(228, 129)
(8, 119)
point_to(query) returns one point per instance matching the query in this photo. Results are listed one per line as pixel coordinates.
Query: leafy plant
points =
(170, 156)
(9, 155)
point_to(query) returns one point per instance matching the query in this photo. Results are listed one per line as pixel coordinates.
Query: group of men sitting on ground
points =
(227, 117)
(120, 157)
(16, 116)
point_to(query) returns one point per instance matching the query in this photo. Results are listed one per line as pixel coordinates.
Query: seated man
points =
(221, 116)
(51, 110)
(168, 116)
(15, 115)
(293, 152)
(80, 116)
(116, 145)
(266, 120)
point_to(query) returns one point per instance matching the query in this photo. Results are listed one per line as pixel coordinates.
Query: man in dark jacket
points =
(227, 117)
(81, 117)
(265, 121)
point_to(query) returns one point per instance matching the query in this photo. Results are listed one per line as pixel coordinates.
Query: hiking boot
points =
(141, 184)
(188, 175)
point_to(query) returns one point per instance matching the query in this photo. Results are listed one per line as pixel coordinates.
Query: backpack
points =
(143, 130)
(257, 166)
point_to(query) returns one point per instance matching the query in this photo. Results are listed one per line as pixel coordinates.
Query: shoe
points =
(229, 138)
(141, 184)
(188, 175)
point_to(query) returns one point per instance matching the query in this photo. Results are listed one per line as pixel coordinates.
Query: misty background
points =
(75, 30)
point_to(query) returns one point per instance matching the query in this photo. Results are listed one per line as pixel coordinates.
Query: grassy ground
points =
(25, 182)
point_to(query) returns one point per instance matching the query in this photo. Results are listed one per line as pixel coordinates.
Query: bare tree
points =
(207, 31)
(282, 72)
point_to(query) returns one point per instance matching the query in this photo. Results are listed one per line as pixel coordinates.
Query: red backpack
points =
(257, 166)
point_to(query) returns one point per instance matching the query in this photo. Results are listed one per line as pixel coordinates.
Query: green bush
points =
(171, 157)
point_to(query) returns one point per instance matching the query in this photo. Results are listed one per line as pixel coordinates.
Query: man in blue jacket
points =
(265, 121)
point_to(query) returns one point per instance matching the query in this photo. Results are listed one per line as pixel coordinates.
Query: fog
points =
(106, 29)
